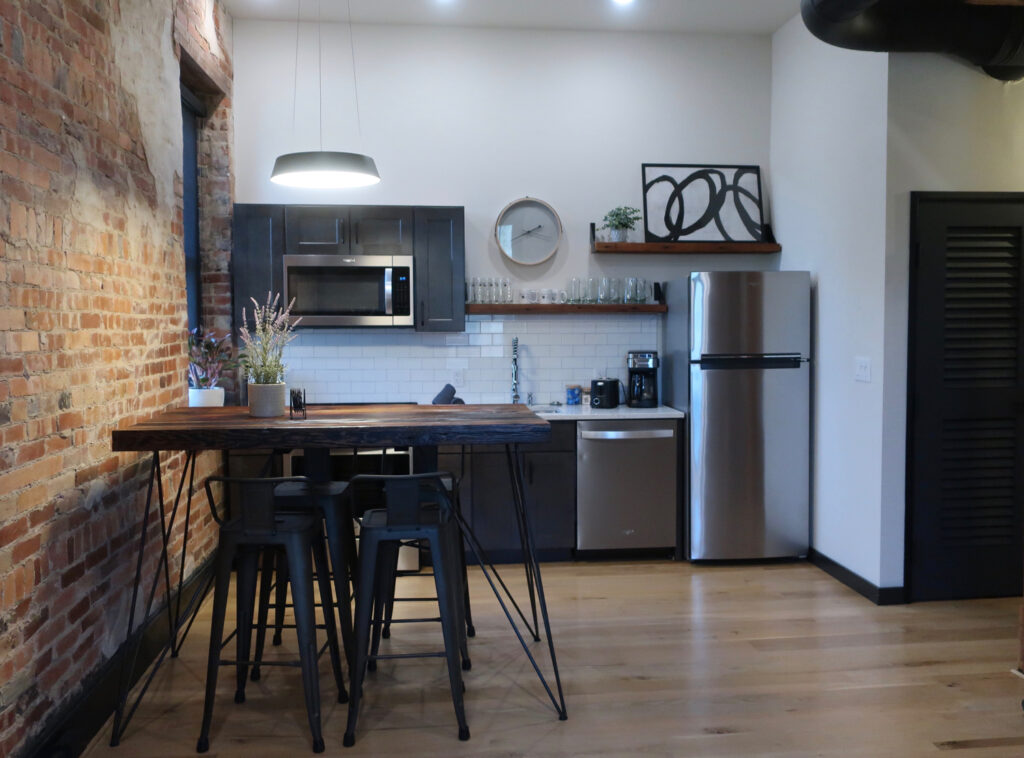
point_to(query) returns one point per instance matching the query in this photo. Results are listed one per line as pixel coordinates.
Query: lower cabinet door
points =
(550, 482)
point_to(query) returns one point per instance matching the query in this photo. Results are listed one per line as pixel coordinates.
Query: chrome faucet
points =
(515, 370)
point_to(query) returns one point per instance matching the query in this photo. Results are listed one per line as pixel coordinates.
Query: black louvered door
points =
(965, 395)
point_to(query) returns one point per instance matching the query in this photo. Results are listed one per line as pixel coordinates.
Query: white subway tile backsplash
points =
(391, 365)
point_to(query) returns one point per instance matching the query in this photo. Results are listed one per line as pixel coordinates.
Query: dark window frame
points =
(192, 110)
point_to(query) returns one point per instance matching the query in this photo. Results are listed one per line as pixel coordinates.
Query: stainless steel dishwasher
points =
(627, 484)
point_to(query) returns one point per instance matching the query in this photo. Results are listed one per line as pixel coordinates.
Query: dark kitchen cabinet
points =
(316, 229)
(381, 230)
(549, 472)
(256, 264)
(440, 269)
(434, 236)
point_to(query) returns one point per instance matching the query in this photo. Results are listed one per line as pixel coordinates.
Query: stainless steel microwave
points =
(350, 290)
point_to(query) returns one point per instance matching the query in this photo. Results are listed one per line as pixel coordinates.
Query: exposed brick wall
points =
(92, 317)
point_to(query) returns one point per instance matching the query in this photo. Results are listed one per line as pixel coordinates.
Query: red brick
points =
(26, 548)
(13, 531)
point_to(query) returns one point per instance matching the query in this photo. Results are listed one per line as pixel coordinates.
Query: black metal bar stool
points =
(416, 507)
(260, 525)
(330, 502)
(452, 484)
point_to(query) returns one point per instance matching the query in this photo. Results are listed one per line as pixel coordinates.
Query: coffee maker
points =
(643, 378)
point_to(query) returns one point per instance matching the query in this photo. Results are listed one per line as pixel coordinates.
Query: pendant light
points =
(325, 169)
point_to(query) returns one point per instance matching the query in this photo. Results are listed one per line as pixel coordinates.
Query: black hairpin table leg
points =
(530, 557)
(175, 617)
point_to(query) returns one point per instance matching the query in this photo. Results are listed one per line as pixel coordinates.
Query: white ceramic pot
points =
(207, 397)
(618, 235)
(266, 400)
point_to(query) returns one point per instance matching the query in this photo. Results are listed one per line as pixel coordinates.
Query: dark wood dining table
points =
(423, 427)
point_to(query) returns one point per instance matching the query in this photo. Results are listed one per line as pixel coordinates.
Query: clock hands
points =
(528, 231)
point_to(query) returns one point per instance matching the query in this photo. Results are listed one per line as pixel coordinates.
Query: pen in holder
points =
(298, 404)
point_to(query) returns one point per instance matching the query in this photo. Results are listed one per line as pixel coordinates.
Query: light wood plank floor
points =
(657, 658)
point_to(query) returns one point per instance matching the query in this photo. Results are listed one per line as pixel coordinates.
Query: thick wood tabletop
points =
(232, 428)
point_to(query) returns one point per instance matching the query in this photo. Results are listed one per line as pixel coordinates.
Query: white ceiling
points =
(714, 16)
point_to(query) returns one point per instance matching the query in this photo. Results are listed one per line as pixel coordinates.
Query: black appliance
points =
(350, 290)
(643, 379)
(604, 393)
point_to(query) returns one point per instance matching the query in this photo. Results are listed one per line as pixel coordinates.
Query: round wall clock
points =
(528, 231)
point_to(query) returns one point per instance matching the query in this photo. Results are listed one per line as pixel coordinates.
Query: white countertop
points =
(586, 413)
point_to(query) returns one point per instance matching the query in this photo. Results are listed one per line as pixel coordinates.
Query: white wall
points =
(479, 117)
(951, 128)
(828, 147)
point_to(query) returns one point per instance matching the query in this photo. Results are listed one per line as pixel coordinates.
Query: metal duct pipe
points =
(986, 35)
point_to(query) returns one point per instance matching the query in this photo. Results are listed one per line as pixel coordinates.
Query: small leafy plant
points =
(261, 358)
(208, 356)
(622, 217)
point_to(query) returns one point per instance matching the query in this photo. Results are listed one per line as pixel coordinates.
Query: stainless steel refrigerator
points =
(749, 414)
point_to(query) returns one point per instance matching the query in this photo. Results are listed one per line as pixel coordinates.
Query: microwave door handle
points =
(388, 306)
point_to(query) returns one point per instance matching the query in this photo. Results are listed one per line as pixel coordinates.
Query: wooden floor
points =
(658, 659)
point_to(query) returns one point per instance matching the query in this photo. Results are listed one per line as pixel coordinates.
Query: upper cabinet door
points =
(316, 229)
(440, 259)
(256, 265)
(381, 230)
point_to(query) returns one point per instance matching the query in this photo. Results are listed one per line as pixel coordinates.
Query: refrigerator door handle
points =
(642, 434)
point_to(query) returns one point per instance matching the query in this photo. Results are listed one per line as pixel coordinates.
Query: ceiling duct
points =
(985, 33)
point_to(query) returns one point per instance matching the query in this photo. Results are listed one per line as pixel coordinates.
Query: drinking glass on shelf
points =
(506, 290)
(641, 290)
(615, 291)
(474, 290)
(631, 291)
(603, 290)
(574, 290)
(591, 293)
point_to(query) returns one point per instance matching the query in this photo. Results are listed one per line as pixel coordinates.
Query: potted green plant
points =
(619, 221)
(262, 357)
(208, 356)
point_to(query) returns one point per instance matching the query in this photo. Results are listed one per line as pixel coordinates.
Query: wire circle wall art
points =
(695, 203)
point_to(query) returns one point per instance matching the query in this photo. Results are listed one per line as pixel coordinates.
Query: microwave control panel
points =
(400, 291)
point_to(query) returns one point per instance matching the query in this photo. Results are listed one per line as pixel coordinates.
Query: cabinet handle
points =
(644, 434)
(355, 232)
(423, 314)
(529, 473)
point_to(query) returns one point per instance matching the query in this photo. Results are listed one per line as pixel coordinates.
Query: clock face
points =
(528, 231)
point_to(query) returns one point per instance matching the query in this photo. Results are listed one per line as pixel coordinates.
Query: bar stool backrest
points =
(255, 500)
(407, 498)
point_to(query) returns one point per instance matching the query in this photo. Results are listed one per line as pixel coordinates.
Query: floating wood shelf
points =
(550, 308)
(712, 248)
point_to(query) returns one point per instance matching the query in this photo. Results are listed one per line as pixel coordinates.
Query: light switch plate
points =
(861, 368)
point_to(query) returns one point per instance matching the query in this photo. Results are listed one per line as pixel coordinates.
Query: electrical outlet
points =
(861, 369)
(459, 377)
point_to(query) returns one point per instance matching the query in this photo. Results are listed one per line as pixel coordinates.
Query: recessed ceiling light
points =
(623, 2)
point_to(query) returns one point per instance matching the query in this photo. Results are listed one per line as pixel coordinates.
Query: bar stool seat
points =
(300, 535)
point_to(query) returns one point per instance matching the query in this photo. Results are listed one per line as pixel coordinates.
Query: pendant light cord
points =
(320, 75)
(295, 82)
(355, 82)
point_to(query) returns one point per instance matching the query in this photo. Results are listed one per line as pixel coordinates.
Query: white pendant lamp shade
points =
(325, 170)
